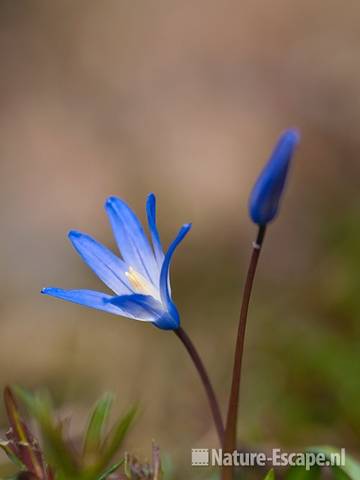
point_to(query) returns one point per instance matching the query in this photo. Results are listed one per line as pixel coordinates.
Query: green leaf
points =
(97, 424)
(351, 467)
(270, 475)
(59, 454)
(13, 414)
(5, 446)
(339, 474)
(300, 473)
(116, 437)
(110, 470)
(27, 447)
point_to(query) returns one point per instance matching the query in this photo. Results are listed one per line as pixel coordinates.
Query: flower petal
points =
(131, 239)
(89, 298)
(142, 307)
(164, 276)
(107, 266)
(147, 309)
(155, 237)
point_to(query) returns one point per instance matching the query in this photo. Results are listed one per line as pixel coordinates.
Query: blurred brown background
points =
(185, 99)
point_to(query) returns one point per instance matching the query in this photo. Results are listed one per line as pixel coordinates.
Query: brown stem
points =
(231, 421)
(210, 393)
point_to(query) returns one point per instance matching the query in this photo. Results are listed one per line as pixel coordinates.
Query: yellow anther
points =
(141, 284)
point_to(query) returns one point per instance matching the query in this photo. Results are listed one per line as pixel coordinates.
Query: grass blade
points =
(96, 425)
(116, 437)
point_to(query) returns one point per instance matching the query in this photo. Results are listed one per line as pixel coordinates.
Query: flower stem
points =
(210, 393)
(231, 421)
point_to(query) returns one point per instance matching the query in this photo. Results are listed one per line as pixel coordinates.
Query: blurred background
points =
(185, 99)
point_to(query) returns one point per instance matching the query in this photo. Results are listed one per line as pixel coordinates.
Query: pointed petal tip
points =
(48, 290)
(109, 202)
(113, 203)
(76, 237)
(186, 227)
(151, 201)
(74, 234)
(292, 135)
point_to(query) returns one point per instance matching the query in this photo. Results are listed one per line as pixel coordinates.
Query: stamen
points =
(140, 284)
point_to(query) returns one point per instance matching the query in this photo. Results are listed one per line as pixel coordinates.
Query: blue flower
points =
(266, 194)
(140, 280)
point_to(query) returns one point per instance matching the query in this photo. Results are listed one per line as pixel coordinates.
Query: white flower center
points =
(141, 285)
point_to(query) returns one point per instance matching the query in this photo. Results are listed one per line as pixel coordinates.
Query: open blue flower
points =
(140, 280)
(266, 194)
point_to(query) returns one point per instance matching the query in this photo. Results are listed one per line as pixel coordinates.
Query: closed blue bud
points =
(266, 194)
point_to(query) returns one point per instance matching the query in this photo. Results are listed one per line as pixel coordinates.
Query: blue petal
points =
(155, 237)
(131, 239)
(107, 266)
(146, 308)
(89, 298)
(164, 276)
(266, 194)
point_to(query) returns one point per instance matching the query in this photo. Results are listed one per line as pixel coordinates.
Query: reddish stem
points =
(231, 421)
(210, 393)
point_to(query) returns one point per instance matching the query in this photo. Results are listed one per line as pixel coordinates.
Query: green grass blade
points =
(110, 470)
(5, 446)
(58, 452)
(300, 473)
(351, 467)
(116, 437)
(27, 446)
(96, 425)
(270, 475)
